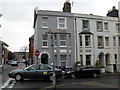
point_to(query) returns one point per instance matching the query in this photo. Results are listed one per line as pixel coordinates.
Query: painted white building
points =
(119, 39)
(97, 39)
(0, 47)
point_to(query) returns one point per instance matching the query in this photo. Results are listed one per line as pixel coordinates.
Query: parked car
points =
(83, 71)
(9, 62)
(41, 71)
(14, 63)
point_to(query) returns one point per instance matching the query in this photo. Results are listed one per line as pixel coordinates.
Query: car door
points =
(87, 70)
(83, 71)
(43, 71)
(31, 72)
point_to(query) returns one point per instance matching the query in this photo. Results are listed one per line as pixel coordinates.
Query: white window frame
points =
(44, 22)
(58, 23)
(105, 26)
(44, 41)
(86, 26)
(99, 26)
(65, 60)
(107, 41)
(117, 27)
(63, 41)
(89, 41)
(100, 43)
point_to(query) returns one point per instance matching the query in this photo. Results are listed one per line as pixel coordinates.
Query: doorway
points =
(44, 59)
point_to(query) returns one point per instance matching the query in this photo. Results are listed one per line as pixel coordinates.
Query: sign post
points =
(37, 53)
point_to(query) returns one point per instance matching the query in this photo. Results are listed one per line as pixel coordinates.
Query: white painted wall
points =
(94, 45)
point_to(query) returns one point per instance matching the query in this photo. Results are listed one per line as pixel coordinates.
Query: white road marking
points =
(12, 84)
(7, 83)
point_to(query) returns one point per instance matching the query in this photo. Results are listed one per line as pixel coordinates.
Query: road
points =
(105, 81)
(4, 72)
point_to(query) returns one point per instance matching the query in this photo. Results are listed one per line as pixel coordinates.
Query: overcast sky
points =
(17, 18)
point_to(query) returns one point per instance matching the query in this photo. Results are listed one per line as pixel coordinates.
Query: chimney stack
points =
(67, 6)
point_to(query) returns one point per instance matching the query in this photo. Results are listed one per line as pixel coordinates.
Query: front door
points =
(44, 59)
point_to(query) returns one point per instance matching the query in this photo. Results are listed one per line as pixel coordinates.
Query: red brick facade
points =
(31, 49)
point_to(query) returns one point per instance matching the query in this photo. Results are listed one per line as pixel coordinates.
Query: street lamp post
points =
(52, 45)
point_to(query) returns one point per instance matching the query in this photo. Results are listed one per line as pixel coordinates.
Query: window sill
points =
(45, 47)
(63, 46)
(99, 30)
(44, 27)
(61, 28)
(106, 31)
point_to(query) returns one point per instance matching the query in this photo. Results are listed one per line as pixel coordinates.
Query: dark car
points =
(14, 63)
(82, 71)
(41, 71)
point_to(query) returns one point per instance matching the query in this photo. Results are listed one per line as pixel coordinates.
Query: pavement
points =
(10, 80)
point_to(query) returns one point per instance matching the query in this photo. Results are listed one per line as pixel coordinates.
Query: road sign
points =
(37, 53)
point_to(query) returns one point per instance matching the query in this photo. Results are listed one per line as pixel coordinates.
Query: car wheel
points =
(18, 77)
(95, 75)
(73, 75)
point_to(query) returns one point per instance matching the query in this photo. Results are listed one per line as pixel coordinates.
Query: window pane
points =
(85, 24)
(118, 27)
(62, 40)
(62, 37)
(62, 23)
(105, 26)
(87, 40)
(44, 43)
(61, 20)
(62, 43)
(107, 41)
(44, 21)
(80, 40)
(63, 63)
(44, 24)
(44, 37)
(114, 41)
(99, 25)
(100, 41)
(88, 59)
(63, 57)
(44, 18)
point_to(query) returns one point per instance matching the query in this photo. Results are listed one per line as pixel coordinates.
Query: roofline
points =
(77, 14)
(3, 43)
(74, 15)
